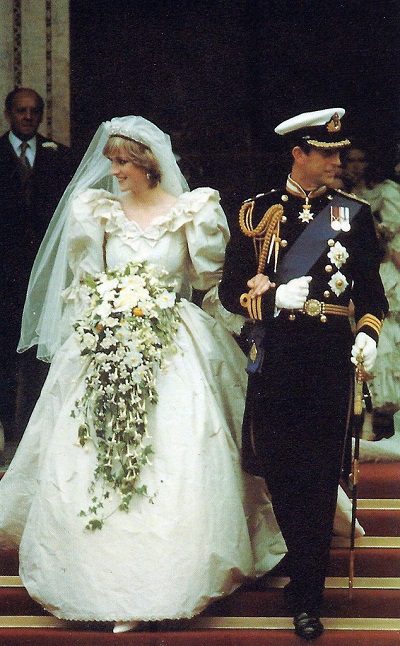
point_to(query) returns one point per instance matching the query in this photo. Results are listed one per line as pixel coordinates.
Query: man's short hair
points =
(17, 90)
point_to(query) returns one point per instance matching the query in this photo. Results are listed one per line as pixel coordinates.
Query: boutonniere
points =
(50, 144)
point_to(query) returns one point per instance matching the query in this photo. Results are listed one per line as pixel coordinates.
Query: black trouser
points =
(303, 485)
(300, 407)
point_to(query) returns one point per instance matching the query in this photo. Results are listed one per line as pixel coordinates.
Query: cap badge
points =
(334, 124)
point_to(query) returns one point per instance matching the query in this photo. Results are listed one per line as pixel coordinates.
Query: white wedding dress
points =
(208, 527)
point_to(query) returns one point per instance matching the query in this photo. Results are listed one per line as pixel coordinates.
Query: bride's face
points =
(130, 177)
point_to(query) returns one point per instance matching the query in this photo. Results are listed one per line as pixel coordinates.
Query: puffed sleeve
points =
(86, 233)
(91, 214)
(207, 235)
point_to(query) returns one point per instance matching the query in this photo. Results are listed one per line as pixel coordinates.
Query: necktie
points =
(23, 157)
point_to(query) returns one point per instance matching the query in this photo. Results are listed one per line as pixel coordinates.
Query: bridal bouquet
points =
(126, 331)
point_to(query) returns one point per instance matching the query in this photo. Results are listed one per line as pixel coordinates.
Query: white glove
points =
(293, 295)
(364, 351)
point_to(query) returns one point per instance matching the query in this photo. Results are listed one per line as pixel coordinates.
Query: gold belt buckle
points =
(313, 307)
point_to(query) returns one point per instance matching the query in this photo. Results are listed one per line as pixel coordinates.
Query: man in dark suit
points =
(33, 174)
(298, 255)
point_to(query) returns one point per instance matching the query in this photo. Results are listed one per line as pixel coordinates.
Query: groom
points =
(297, 256)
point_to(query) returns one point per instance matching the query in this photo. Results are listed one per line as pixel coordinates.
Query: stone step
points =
(247, 602)
(380, 522)
(203, 631)
(379, 480)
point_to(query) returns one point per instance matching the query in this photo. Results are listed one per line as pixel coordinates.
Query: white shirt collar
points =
(16, 143)
(295, 189)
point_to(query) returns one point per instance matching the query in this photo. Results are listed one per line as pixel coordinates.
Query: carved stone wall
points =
(34, 52)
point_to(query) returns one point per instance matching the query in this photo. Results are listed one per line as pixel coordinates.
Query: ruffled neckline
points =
(108, 208)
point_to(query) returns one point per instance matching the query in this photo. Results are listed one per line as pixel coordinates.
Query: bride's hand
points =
(258, 285)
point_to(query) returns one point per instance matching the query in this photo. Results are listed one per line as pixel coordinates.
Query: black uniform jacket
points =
(347, 268)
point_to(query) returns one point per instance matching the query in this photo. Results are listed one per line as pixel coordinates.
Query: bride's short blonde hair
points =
(138, 153)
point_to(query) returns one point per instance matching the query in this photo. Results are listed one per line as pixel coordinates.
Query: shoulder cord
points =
(263, 232)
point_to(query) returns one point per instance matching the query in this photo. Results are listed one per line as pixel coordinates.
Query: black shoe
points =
(307, 626)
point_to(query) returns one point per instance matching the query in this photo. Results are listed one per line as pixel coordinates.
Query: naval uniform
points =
(298, 398)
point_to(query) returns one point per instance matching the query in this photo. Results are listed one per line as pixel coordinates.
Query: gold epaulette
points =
(246, 216)
(352, 196)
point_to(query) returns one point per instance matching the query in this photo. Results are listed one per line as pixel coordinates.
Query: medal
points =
(346, 219)
(340, 220)
(305, 215)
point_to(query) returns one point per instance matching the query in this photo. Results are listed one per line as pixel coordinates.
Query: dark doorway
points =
(219, 75)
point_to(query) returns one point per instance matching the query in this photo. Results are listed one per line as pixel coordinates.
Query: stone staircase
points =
(255, 615)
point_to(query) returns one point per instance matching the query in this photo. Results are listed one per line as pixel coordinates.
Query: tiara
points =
(114, 131)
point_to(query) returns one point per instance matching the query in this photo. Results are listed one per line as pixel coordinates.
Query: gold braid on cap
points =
(262, 234)
(328, 144)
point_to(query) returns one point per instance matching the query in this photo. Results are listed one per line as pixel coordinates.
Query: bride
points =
(201, 528)
(127, 501)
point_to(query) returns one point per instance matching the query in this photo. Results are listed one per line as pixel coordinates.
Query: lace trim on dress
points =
(106, 207)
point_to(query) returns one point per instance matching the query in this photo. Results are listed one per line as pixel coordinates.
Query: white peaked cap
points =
(318, 129)
(308, 119)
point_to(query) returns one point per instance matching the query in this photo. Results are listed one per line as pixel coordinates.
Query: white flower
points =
(107, 343)
(133, 282)
(110, 321)
(106, 290)
(50, 144)
(103, 310)
(338, 254)
(133, 358)
(165, 300)
(100, 357)
(126, 300)
(338, 283)
(89, 341)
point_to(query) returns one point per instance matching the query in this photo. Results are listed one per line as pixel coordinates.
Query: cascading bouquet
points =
(126, 332)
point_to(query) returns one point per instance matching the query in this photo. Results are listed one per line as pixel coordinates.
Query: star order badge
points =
(305, 215)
